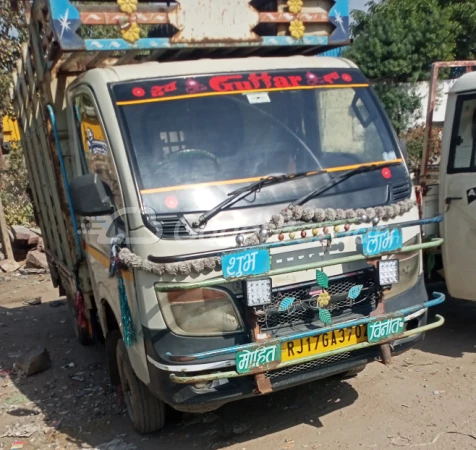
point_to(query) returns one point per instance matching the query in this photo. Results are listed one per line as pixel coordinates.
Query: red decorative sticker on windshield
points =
(138, 92)
(236, 83)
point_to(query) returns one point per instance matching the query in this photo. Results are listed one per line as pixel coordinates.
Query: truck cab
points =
(233, 216)
(457, 187)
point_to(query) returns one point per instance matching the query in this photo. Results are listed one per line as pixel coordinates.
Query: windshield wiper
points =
(240, 194)
(335, 181)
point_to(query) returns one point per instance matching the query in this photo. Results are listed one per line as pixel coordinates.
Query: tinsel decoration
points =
(128, 331)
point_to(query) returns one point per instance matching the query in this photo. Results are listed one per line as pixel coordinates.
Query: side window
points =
(463, 141)
(95, 152)
(348, 126)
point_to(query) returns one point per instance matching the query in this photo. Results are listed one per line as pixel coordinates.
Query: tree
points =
(13, 32)
(395, 42)
(463, 13)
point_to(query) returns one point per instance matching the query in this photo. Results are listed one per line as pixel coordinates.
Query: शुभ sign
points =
(247, 262)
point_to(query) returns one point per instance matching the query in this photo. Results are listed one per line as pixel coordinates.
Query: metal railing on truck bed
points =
(185, 30)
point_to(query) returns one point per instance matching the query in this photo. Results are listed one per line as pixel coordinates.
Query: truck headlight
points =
(409, 264)
(200, 312)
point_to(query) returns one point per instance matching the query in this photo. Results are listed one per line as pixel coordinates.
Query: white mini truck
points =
(230, 213)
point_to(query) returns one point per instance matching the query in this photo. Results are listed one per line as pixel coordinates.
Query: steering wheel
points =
(188, 153)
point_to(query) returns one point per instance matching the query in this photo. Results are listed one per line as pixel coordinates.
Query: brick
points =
(36, 260)
(8, 265)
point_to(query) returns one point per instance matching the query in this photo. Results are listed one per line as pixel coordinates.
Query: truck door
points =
(458, 195)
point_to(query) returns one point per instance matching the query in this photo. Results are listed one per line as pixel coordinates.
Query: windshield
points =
(194, 140)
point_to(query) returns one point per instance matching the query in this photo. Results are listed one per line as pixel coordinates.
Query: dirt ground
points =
(425, 399)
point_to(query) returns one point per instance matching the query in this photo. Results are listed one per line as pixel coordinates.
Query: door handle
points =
(448, 201)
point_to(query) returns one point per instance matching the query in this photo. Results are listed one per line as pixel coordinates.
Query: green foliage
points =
(415, 138)
(13, 33)
(396, 42)
(400, 101)
(13, 190)
(463, 13)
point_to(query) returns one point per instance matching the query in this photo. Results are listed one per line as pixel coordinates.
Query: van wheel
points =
(146, 412)
(353, 372)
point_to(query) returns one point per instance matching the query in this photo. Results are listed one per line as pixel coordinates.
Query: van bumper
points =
(204, 391)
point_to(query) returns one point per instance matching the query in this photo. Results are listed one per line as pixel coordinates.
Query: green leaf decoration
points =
(286, 303)
(325, 316)
(322, 279)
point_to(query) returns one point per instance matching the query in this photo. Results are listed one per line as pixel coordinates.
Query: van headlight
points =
(200, 312)
(409, 269)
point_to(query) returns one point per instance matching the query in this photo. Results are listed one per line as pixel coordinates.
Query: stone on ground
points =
(36, 260)
(34, 361)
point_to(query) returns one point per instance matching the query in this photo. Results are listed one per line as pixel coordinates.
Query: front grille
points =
(401, 191)
(276, 375)
(304, 311)
(172, 227)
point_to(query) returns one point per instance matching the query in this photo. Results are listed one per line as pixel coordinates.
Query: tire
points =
(353, 372)
(112, 339)
(147, 413)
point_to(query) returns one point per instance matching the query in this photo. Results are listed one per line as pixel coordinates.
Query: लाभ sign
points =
(378, 242)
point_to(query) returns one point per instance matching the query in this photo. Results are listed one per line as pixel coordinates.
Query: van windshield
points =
(194, 140)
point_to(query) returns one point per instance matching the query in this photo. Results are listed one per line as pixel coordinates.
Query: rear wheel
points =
(147, 413)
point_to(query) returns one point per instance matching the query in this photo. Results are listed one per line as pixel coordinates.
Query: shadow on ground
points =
(73, 403)
(458, 335)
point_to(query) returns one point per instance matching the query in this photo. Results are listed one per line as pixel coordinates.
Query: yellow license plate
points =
(315, 345)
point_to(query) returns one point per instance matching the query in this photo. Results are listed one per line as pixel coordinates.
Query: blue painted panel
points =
(376, 242)
(247, 262)
(66, 21)
(339, 17)
(158, 43)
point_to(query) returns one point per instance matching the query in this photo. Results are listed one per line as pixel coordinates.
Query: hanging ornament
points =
(297, 29)
(322, 279)
(347, 227)
(295, 6)
(325, 316)
(337, 228)
(315, 231)
(239, 239)
(323, 299)
(355, 292)
(281, 236)
(131, 34)
(286, 303)
(292, 235)
(128, 331)
(303, 233)
(127, 6)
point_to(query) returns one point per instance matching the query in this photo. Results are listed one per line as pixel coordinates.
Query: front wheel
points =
(147, 413)
(352, 373)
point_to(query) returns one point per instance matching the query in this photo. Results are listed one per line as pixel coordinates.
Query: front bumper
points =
(439, 298)
(199, 392)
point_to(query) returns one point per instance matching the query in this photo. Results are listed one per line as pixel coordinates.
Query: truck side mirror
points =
(89, 197)
(404, 150)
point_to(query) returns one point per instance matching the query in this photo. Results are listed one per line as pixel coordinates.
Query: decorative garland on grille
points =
(300, 214)
(204, 265)
(294, 214)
